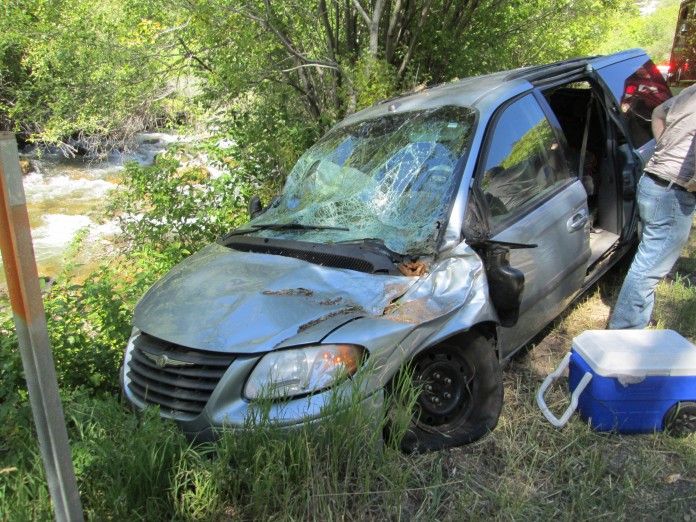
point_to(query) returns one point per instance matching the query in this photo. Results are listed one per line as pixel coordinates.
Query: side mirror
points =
(255, 206)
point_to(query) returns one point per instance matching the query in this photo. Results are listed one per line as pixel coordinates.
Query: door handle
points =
(578, 221)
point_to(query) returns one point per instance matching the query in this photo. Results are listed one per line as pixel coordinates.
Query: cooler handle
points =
(559, 423)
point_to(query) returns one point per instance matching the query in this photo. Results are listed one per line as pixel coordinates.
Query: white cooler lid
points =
(636, 352)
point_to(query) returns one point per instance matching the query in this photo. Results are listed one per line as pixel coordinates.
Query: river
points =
(63, 195)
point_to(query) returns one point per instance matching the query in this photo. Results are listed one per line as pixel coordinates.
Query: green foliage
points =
(373, 80)
(332, 67)
(88, 327)
(275, 76)
(76, 68)
(13, 390)
(126, 466)
(172, 208)
(676, 305)
(269, 134)
(652, 30)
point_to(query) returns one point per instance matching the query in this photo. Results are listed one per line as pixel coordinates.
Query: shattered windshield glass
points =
(389, 178)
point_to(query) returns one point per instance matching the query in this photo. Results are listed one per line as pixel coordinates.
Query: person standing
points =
(666, 202)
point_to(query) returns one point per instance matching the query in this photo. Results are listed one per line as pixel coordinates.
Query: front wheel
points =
(460, 394)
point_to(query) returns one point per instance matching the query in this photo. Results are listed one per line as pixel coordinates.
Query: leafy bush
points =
(88, 326)
(187, 198)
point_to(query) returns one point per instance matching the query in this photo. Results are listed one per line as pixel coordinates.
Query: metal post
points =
(34, 346)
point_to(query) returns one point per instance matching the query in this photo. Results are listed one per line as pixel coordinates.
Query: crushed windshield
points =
(389, 178)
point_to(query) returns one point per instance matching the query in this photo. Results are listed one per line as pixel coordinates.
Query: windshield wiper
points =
(281, 226)
(375, 244)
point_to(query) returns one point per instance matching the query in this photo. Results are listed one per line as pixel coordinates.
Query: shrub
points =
(188, 197)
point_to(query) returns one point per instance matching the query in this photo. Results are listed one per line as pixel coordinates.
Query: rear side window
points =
(523, 161)
(641, 92)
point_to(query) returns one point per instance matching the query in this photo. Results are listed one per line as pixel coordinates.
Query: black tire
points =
(461, 394)
(680, 419)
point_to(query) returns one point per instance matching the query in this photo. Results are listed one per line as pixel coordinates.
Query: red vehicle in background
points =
(682, 64)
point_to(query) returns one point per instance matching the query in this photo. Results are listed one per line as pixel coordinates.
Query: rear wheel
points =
(680, 419)
(461, 394)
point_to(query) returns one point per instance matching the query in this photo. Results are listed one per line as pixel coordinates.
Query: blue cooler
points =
(630, 381)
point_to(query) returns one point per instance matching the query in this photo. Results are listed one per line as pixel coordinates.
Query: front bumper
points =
(203, 415)
(371, 409)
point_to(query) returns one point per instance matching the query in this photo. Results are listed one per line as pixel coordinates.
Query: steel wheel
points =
(680, 419)
(445, 378)
(461, 394)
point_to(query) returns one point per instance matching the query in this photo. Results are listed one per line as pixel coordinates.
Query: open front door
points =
(533, 199)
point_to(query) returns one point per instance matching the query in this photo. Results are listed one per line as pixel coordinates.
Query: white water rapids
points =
(62, 194)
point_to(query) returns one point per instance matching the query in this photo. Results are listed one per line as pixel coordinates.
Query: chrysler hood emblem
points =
(161, 360)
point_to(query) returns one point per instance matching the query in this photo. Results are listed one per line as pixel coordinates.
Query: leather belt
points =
(662, 182)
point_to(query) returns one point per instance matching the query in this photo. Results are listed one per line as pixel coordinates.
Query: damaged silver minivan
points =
(440, 230)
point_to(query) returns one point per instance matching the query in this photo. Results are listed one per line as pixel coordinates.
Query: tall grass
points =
(142, 468)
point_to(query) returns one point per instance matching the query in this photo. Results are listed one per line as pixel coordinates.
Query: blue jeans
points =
(667, 214)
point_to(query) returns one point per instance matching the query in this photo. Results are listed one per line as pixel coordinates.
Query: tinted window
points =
(523, 161)
(682, 62)
(640, 93)
(643, 91)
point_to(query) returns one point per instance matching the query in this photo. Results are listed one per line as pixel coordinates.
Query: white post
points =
(30, 321)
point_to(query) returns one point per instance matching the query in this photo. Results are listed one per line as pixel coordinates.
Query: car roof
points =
(485, 93)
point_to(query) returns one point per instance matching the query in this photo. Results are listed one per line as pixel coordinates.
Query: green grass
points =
(141, 468)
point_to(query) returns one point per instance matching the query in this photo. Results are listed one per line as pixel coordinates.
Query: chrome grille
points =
(178, 379)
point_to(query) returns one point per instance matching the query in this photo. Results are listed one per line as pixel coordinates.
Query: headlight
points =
(300, 371)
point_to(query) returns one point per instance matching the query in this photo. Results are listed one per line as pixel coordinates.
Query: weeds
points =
(142, 468)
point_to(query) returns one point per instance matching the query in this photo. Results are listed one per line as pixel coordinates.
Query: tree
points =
(338, 55)
(103, 67)
(76, 68)
(651, 28)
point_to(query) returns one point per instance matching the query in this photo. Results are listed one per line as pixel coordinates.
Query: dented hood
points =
(224, 300)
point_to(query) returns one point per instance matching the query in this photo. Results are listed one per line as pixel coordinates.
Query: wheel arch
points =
(488, 329)
(461, 390)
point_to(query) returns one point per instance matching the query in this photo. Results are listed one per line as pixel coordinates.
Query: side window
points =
(523, 161)
(644, 90)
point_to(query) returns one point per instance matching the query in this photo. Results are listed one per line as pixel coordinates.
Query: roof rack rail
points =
(541, 72)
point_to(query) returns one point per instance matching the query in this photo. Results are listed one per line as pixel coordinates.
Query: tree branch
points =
(414, 38)
(324, 15)
(172, 29)
(317, 65)
(363, 13)
(193, 56)
(390, 40)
